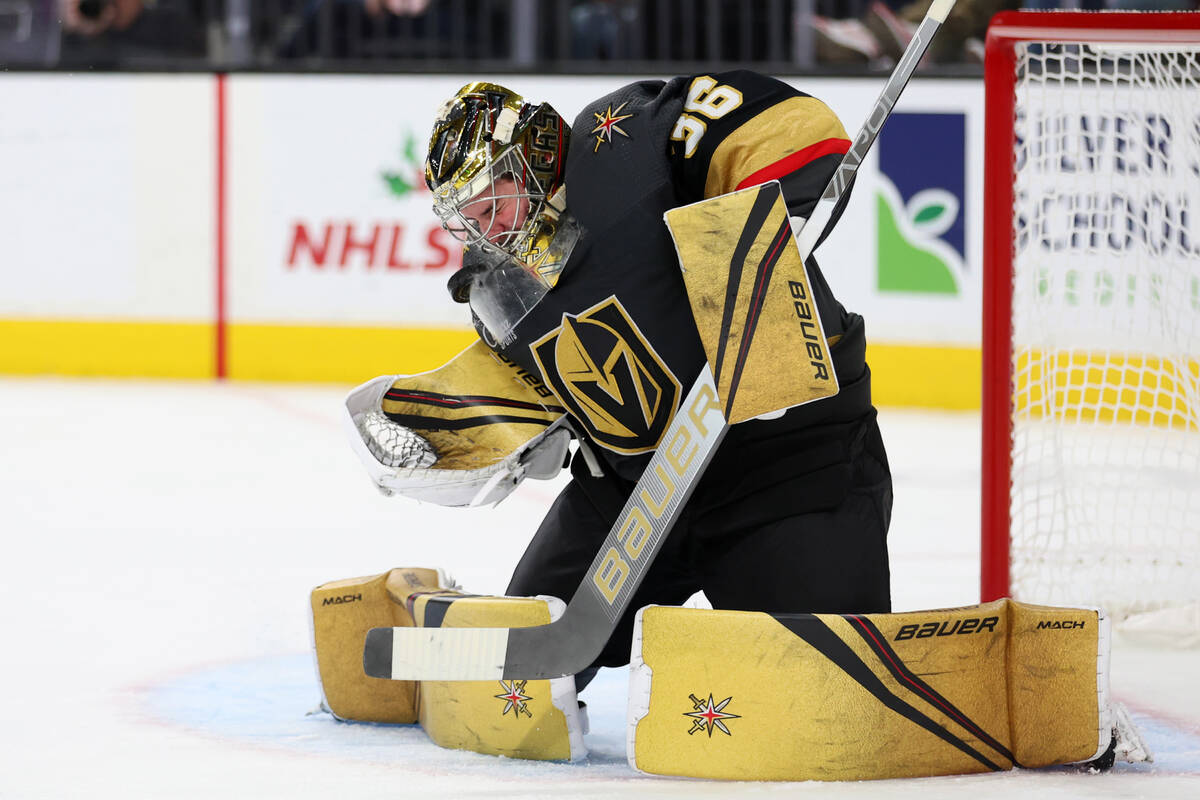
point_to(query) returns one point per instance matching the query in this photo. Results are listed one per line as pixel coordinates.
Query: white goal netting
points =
(1105, 503)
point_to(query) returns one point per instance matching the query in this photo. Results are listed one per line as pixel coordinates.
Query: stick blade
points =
(445, 654)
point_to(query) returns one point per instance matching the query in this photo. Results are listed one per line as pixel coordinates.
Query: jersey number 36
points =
(705, 98)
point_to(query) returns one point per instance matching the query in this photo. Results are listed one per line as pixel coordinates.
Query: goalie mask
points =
(494, 163)
(495, 167)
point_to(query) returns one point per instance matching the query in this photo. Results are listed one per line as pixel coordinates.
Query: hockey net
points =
(1091, 405)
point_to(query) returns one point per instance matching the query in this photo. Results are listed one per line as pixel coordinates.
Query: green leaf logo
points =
(396, 183)
(928, 214)
(932, 212)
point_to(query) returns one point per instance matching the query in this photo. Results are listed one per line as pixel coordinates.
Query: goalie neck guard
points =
(503, 289)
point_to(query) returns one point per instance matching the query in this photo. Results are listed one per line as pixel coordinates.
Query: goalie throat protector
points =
(495, 166)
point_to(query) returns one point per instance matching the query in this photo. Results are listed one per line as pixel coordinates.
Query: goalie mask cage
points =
(1091, 314)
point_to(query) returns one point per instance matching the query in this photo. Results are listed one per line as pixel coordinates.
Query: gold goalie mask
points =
(495, 166)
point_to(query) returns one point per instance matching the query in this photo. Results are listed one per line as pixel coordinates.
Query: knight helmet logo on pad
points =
(920, 204)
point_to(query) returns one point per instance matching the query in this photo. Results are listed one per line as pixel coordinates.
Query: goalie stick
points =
(571, 643)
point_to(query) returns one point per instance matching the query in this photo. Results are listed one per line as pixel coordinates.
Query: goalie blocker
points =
(747, 695)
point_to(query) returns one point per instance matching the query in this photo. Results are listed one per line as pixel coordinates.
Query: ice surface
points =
(160, 540)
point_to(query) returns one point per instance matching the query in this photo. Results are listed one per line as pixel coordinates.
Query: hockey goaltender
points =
(724, 441)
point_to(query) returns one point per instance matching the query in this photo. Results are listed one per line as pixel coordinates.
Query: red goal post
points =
(1010, 211)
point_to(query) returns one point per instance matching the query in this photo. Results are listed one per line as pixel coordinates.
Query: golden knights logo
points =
(609, 378)
(515, 699)
(707, 715)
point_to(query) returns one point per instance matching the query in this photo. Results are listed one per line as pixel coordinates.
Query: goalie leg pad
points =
(1058, 684)
(745, 695)
(534, 719)
(518, 719)
(342, 613)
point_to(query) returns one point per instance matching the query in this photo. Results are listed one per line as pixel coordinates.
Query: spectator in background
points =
(884, 32)
(29, 32)
(1112, 5)
(400, 8)
(1153, 5)
(377, 30)
(846, 39)
(596, 28)
(112, 33)
(962, 34)
(94, 17)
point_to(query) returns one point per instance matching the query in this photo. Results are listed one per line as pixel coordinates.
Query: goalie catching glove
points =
(424, 437)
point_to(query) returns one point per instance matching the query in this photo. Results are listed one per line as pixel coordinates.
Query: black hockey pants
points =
(763, 532)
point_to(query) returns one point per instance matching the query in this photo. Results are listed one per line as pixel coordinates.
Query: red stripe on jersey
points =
(790, 163)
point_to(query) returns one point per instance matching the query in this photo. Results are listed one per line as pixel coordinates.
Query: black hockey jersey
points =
(615, 339)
